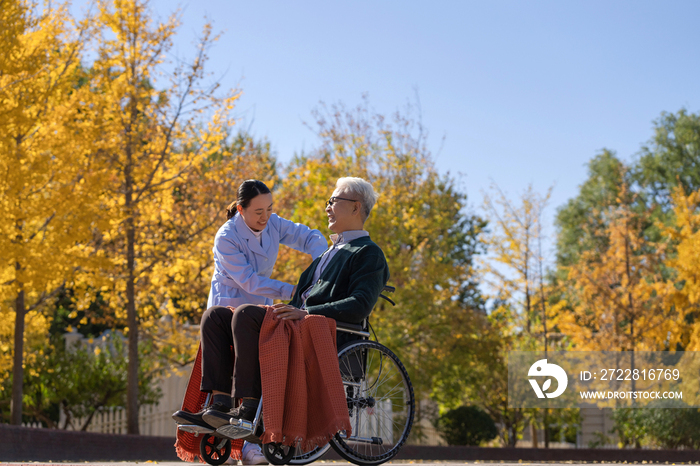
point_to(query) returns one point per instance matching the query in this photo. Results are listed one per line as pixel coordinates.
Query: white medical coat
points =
(242, 267)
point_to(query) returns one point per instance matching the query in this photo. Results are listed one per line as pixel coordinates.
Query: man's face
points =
(340, 214)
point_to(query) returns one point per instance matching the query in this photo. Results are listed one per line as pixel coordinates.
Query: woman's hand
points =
(287, 312)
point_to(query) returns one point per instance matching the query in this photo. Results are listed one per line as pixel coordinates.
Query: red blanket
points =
(187, 445)
(303, 396)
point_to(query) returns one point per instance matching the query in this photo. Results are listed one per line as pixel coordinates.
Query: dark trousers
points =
(221, 329)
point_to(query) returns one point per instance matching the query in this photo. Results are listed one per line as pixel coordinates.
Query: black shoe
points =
(183, 417)
(245, 411)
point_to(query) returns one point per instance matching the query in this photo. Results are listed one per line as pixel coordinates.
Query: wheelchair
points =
(380, 403)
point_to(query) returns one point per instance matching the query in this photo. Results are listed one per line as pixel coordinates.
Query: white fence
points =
(33, 425)
(156, 420)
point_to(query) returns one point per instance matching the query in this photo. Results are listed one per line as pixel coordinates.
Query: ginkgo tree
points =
(514, 272)
(619, 296)
(684, 232)
(151, 130)
(514, 242)
(45, 167)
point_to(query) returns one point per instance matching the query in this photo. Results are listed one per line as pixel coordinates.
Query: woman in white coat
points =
(245, 252)
(246, 247)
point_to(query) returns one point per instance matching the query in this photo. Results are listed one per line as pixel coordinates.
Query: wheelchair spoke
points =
(380, 399)
(387, 373)
(392, 391)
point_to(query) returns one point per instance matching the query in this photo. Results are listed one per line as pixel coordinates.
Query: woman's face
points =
(258, 211)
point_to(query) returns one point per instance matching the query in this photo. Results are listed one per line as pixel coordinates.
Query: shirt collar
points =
(257, 234)
(345, 237)
(238, 219)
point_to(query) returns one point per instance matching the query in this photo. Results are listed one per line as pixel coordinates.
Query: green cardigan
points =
(349, 286)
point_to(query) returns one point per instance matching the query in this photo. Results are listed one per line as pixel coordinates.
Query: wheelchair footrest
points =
(195, 429)
(238, 429)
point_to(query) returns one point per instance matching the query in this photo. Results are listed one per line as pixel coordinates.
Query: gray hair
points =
(362, 189)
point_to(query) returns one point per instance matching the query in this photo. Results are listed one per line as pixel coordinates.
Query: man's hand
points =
(287, 312)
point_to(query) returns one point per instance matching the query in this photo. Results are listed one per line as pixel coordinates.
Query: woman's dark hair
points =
(246, 192)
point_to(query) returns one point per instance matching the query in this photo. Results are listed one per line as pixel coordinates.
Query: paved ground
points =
(337, 463)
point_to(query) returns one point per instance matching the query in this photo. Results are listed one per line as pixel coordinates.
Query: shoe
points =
(230, 460)
(183, 417)
(245, 411)
(252, 454)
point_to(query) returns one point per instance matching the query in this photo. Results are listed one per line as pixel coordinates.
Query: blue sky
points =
(523, 91)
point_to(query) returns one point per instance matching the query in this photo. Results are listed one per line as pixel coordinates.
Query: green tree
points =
(82, 379)
(672, 428)
(485, 374)
(581, 218)
(467, 425)
(630, 426)
(671, 158)
(668, 161)
(670, 424)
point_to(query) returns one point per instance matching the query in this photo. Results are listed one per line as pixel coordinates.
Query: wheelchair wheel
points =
(277, 453)
(214, 450)
(380, 401)
(305, 457)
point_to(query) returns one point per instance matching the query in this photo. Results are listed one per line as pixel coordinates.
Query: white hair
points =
(362, 189)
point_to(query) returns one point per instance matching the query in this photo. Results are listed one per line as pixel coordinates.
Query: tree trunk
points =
(18, 360)
(542, 295)
(533, 434)
(528, 304)
(132, 390)
(132, 381)
(88, 420)
(67, 420)
(630, 308)
(513, 435)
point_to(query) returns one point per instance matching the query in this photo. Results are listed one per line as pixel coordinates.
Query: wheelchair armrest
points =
(355, 329)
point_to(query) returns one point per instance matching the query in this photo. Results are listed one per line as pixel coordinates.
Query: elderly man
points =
(344, 284)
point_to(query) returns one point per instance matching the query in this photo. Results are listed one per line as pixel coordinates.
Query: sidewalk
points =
(339, 463)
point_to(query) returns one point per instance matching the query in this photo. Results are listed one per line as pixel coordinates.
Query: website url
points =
(630, 395)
